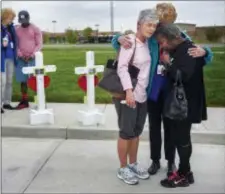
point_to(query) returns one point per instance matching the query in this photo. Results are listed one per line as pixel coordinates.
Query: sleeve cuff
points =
(115, 42)
(208, 55)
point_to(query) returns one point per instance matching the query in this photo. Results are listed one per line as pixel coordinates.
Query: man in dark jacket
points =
(169, 37)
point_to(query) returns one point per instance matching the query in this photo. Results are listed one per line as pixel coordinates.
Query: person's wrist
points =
(129, 91)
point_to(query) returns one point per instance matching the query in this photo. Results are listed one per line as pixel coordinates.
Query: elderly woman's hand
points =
(125, 42)
(130, 98)
(165, 57)
(197, 52)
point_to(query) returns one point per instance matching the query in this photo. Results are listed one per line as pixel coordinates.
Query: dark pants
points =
(155, 119)
(181, 139)
(131, 121)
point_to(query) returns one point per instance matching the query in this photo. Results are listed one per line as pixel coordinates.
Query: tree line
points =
(71, 36)
(212, 34)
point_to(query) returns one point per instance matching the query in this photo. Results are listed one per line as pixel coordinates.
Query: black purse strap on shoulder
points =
(132, 57)
(178, 80)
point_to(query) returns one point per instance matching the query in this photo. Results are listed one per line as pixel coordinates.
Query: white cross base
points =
(41, 115)
(91, 115)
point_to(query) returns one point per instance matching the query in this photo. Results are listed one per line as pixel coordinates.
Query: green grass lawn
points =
(64, 86)
(218, 49)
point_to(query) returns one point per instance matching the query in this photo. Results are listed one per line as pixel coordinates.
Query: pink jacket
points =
(142, 60)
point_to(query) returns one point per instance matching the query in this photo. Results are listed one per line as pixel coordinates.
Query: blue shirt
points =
(9, 52)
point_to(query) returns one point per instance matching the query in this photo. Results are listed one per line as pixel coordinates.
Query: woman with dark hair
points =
(191, 77)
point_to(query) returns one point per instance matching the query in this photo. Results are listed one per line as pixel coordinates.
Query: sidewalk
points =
(16, 124)
(79, 166)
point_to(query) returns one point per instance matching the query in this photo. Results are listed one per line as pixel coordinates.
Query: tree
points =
(87, 32)
(76, 35)
(45, 38)
(213, 34)
(58, 38)
(104, 33)
(71, 36)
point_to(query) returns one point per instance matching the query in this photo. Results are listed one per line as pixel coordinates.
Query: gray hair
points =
(148, 15)
(168, 31)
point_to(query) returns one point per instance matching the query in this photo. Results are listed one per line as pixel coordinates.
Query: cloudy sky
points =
(80, 14)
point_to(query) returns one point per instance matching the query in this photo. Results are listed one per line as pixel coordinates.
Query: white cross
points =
(41, 115)
(92, 115)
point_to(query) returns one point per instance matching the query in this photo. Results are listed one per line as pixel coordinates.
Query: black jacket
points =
(192, 76)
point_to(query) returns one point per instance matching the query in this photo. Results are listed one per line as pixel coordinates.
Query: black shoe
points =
(2, 111)
(190, 177)
(155, 166)
(175, 180)
(171, 168)
(8, 106)
(23, 104)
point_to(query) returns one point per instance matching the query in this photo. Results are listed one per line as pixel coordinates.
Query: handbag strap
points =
(132, 57)
(178, 78)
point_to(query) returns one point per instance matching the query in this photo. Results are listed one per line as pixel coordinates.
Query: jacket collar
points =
(10, 25)
(179, 46)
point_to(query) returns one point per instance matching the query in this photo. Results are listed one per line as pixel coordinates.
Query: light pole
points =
(54, 23)
(112, 16)
(96, 39)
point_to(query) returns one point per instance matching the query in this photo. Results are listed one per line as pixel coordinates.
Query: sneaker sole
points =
(9, 108)
(127, 182)
(142, 177)
(175, 186)
(22, 107)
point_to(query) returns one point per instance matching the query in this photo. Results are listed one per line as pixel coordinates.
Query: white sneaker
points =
(127, 176)
(140, 172)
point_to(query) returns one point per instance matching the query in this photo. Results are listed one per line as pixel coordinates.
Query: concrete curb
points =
(97, 133)
(34, 132)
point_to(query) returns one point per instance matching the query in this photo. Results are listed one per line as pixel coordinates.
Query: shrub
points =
(213, 34)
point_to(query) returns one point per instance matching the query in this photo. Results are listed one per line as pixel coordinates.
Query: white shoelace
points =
(140, 169)
(128, 173)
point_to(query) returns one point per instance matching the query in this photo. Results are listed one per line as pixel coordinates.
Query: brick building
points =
(189, 28)
(200, 32)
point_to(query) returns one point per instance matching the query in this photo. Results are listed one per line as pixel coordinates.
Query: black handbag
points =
(176, 105)
(110, 81)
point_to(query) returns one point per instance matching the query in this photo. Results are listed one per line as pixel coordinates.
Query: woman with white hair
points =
(132, 113)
